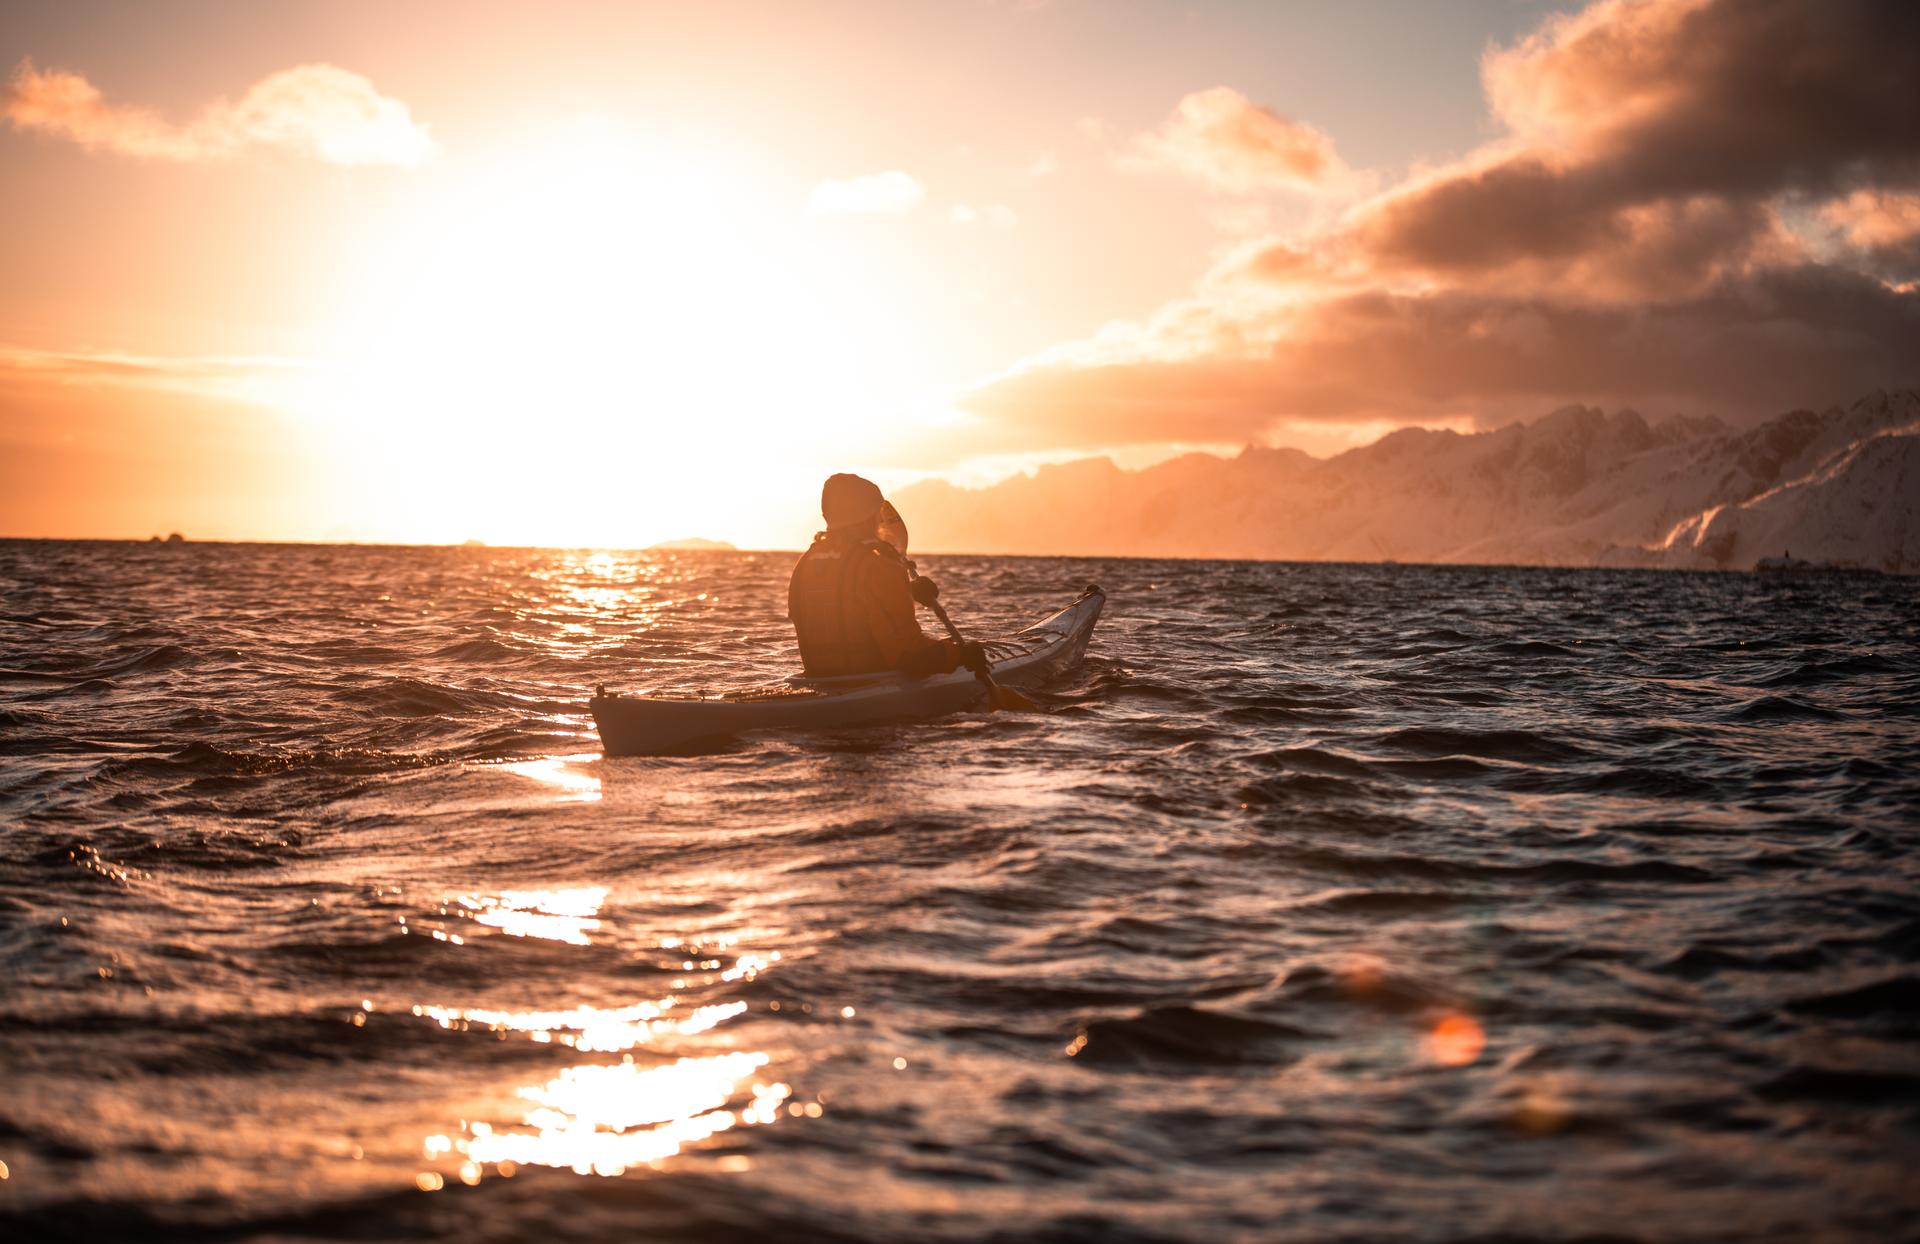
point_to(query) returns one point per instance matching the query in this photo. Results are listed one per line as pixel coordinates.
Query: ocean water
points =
(1325, 903)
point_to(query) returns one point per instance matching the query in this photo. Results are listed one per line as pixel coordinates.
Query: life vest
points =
(852, 609)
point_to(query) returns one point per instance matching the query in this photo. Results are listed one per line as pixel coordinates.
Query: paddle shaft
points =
(953, 632)
(997, 696)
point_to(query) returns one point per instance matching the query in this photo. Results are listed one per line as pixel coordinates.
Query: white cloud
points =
(323, 110)
(1227, 141)
(256, 379)
(891, 193)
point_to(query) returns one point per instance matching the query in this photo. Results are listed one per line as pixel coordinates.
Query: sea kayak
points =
(646, 725)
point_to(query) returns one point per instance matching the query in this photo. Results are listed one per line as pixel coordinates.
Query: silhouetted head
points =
(848, 501)
(855, 510)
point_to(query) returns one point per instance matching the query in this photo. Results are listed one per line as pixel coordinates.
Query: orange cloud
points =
(1875, 218)
(1884, 224)
(125, 447)
(1230, 143)
(232, 378)
(322, 110)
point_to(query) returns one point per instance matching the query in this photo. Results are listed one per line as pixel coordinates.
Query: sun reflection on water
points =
(606, 1118)
(588, 1028)
(572, 785)
(597, 602)
(556, 915)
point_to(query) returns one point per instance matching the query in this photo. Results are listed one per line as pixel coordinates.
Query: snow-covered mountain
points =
(1577, 487)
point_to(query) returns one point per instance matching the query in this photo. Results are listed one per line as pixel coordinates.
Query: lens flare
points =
(1455, 1040)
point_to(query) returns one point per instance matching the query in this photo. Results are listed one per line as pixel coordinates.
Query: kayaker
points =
(852, 593)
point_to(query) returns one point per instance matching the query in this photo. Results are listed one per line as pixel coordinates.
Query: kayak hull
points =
(644, 725)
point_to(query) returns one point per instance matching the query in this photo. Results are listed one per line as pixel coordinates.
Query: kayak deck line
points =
(640, 725)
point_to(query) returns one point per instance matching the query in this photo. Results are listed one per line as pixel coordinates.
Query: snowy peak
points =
(1578, 486)
(1856, 505)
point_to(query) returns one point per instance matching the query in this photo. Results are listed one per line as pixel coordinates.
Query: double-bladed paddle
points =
(1005, 699)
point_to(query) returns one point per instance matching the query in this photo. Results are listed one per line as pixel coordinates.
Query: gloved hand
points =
(973, 657)
(925, 590)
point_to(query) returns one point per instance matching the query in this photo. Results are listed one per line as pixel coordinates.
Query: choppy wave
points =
(1326, 902)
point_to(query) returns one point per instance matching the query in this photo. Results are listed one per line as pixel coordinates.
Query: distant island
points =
(1578, 487)
(692, 544)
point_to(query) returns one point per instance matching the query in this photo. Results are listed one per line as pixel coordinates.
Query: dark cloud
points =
(1627, 240)
(1800, 336)
(1635, 102)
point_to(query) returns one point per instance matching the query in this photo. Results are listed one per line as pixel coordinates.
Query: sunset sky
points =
(606, 274)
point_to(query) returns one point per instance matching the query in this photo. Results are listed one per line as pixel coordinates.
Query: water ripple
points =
(1326, 902)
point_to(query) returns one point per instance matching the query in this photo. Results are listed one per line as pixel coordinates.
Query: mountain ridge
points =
(1577, 486)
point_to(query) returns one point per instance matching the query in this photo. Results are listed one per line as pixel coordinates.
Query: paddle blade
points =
(1007, 700)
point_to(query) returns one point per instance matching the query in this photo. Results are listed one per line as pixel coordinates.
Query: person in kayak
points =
(852, 593)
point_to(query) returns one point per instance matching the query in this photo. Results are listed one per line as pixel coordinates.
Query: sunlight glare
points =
(557, 771)
(566, 915)
(594, 297)
(605, 1119)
